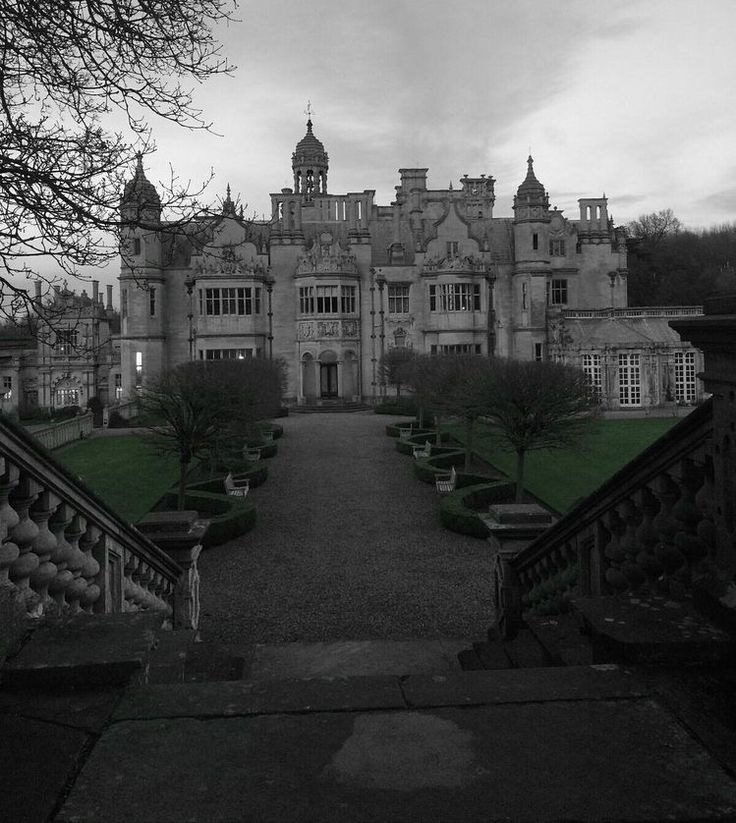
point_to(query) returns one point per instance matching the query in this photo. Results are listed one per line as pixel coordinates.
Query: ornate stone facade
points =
(331, 282)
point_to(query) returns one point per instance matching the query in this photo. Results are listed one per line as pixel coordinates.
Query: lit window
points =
(685, 389)
(138, 369)
(629, 380)
(118, 386)
(398, 298)
(228, 354)
(7, 388)
(66, 341)
(67, 397)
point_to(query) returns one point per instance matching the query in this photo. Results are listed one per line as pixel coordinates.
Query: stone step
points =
(182, 657)
(85, 650)
(525, 651)
(562, 638)
(350, 658)
(330, 407)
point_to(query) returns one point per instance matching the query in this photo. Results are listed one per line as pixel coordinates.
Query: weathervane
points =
(309, 111)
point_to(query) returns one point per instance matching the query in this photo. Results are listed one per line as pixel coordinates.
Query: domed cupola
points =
(310, 163)
(531, 201)
(140, 202)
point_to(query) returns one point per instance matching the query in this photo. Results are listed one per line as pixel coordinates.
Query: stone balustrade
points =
(56, 435)
(648, 529)
(63, 549)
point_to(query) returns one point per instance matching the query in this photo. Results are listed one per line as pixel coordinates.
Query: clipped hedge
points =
(229, 516)
(276, 429)
(267, 449)
(408, 407)
(459, 509)
(418, 439)
(257, 474)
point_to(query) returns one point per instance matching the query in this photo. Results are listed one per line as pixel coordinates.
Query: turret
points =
(309, 163)
(140, 204)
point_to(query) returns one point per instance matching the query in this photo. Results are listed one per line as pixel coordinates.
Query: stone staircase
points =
(344, 406)
(111, 718)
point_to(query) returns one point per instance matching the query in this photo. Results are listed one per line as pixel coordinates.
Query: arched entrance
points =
(328, 387)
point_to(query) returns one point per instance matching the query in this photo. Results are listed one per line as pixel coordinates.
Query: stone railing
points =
(649, 528)
(64, 549)
(127, 409)
(67, 431)
(633, 311)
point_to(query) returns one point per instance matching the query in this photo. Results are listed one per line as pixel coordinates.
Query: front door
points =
(328, 379)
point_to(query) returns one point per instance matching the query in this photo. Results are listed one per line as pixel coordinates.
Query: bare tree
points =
(651, 228)
(537, 405)
(73, 75)
(395, 366)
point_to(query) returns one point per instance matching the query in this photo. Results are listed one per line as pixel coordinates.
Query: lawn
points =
(561, 477)
(126, 472)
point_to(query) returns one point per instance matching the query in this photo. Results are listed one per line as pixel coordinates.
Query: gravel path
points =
(347, 546)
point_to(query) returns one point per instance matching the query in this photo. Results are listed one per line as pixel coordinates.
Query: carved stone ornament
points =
(469, 262)
(323, 257)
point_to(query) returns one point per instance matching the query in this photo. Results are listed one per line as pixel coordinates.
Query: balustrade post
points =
(23, 534)
(8, 519)
(90, 567)
(44, 544)
(61, 554)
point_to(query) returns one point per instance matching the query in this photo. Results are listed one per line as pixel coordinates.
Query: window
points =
(136, 245)
(228, 354)
(124, 303)
(398, 298)
(152, 302)
(557, 248)
(326, 299)
(456, 348)
(557, 292)
(118, 386)
(538, 353)
(453, 248)
(347, 299)
(524, 296)
(7, 388)
(592, 368)
(685, 388)
(629, 380)
(67, 397)
(535, 241)
(306, 300)
(138, 369)
(230, 301)
(66, 341)
(454, 297)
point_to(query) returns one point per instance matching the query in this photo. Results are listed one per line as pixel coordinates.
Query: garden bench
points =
(445, 483)
(405, 432)
(423, 451)
(252, 455)
(237, 488)
(267, 436)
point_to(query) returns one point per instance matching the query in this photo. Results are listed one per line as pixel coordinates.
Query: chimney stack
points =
(95, 291)
(38, 290)
(109, 298)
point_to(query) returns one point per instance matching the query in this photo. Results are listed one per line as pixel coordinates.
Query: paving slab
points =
(88, 709)
(36, 760)
(354, 658)
(274, 697)
(604, 682)
(583, 760)
(84, 650)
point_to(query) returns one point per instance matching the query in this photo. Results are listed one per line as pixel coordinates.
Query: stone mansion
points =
(333, 281)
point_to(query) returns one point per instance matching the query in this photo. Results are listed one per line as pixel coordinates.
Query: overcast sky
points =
(632, 98)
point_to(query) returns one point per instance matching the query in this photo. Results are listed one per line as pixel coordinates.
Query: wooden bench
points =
(267, 436)
(252, 455)
(405, 432)
(422, 451)
(445, 483)
(237, 488)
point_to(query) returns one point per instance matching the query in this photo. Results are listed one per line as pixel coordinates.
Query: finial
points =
(309, 111)
(228, 207)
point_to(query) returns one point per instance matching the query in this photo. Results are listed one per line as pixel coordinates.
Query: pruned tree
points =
(395, 366)
(537, 405)
(79, 82)
(200, 403)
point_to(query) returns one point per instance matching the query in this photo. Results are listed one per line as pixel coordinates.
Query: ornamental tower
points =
(309, 163)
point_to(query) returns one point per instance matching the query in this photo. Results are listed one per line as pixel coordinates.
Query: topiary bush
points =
(459, 509)
(229, 516)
